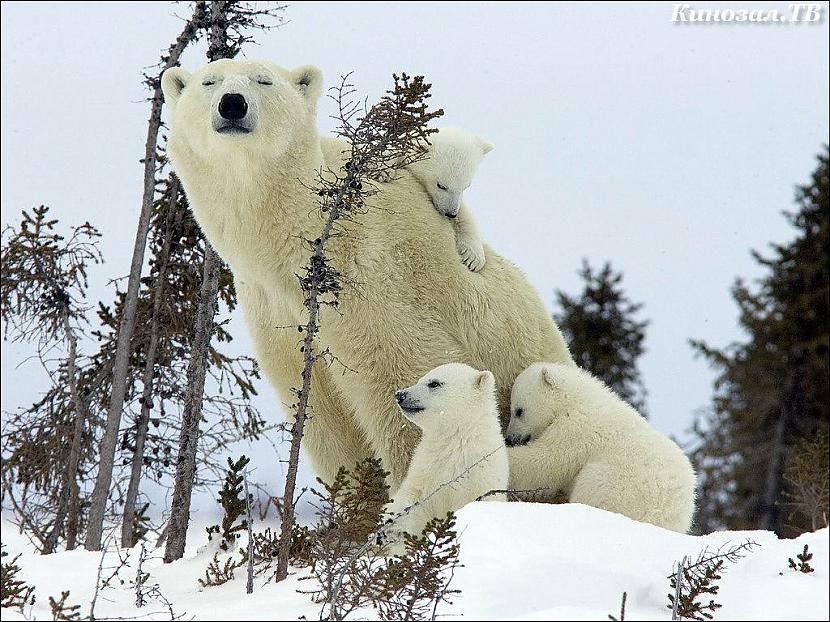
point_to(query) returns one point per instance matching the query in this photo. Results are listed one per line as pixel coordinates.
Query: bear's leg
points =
(609, 486)
(392, 437)
(467, 240)
(643, 490)
(539, 472)
(331, 437)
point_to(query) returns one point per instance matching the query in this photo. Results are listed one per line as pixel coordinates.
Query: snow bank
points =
(521, 561)
(573, 562)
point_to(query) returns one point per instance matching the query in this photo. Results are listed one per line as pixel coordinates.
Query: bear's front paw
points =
(472, 255)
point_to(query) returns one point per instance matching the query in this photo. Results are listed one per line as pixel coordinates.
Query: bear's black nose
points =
(400, 396)
(233, 106)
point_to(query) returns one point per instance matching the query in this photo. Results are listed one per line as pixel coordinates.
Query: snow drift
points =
(521, 561)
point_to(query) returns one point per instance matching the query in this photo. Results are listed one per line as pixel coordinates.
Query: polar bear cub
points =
(569, 433)
(446, 172)
(461, 455)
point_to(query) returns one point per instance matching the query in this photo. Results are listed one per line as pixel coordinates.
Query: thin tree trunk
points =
(188, 443)
(100, 494)
(249, 585)
(312, 304)
(73, 516)
(772, 482)
(189, 440)
(287, 526)
(70, 475)
(143, 421)
(790, 403)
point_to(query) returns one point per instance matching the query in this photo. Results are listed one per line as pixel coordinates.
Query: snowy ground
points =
(521, 561)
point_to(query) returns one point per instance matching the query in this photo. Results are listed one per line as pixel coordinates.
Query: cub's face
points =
(534, 403)
(454, 156)
(239, 107)
(452, 173)
(445, 395)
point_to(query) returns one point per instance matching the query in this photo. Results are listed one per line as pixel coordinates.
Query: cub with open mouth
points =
(461, 455)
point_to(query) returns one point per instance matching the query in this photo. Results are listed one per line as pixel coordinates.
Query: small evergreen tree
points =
(14, 592)
(771, 392)
(604, 336)
(43, 292)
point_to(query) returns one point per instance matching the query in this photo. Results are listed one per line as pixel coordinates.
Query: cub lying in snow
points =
(578, 437)
(461, 455)
(446, 172)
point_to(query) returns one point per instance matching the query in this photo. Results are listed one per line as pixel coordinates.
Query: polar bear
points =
(576, 436)
(446, 172)
(243, 141)
(462, 454)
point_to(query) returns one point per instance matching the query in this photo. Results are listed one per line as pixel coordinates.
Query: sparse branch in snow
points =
(692, 580)
(249, 587)
(379, 536)
(622, 609)
(390, 134)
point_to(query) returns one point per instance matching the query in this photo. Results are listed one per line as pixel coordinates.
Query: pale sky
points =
(669, 149)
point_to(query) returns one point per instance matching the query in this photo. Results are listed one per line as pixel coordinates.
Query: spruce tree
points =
(603, 333)
(771, 393)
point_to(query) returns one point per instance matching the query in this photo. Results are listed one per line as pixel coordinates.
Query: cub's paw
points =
(472, 255)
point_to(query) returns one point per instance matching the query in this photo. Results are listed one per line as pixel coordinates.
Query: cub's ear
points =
(486, 147)
(173, 82)
(485, 381)
(309, 81)
(548, 379)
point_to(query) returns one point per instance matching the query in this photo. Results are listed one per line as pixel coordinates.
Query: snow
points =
(521, 561)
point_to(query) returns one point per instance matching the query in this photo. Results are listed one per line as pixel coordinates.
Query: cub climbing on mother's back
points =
(570, 434)
(446, 172)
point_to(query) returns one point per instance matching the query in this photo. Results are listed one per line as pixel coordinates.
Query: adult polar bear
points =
(244, 143)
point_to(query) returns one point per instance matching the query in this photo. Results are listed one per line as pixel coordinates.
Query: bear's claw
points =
(472, 257)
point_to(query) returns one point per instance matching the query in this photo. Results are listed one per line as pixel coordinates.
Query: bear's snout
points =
(409, 405)
(233, 106)
(516, 440)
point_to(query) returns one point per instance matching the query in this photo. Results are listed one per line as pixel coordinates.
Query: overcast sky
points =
(668, 149)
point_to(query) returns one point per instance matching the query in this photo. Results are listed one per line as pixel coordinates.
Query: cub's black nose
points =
(400, 396)
(233, 106)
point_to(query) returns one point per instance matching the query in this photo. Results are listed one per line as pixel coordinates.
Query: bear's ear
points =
(309, 81)
(485, 381)
(486, 147)
(548, 379)
(173, 81)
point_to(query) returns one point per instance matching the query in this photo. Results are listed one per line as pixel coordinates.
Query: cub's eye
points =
(433, 384)
(442, 187)
(519, 412)
(208, 82)
(264, 81)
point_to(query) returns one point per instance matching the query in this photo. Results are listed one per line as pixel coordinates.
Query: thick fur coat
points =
(461, 455)
(446, 172)
(413, 305)
(571, 434)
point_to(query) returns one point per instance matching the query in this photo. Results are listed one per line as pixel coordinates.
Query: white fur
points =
(461, 455)
(586, 442)
(415, 305)
(446, 172)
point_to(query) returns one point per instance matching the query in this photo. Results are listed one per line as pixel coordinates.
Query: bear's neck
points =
(257, 211)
